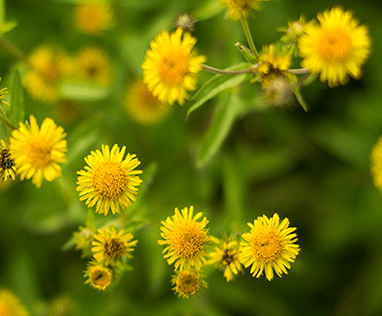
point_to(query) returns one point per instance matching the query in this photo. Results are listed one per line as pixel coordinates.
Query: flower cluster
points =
(269, 246)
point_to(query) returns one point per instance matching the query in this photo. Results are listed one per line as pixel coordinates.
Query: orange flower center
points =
(267, 246)
(334, 45)
(110, 180)
(173, 67)
(188, 239)
(39, 151)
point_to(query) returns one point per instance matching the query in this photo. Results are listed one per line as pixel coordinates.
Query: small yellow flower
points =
(294, 30)
(226, 255)
(143, 107)
(336, 48)
(376, 164)
(93, 17)
(273, 60)
(49, 67)
(270, 245)
(171, 65)
(93, 64)
(238, 9)
(109, 181)
(98, 276)
(188, 282)
(185, 239)
(37, 152)
(109, 246)
(10, 304)
(7, 164)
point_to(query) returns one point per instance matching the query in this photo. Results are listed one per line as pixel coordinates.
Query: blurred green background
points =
(310, 167)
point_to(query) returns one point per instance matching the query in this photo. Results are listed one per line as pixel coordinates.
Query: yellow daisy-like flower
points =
(49, 67)
(226, 255)
(188, 282)
(273, 60)
(294, 30)
(171, 65)
(143, 107)
(7, 164)
(93, 17)
(238, 9)
(93, 64)
(37, 152)
(185, 239)
(270, 245)
(109, 246)
(376, 164)
(109, 180)
(10, 304)
(336, 48)
(98, 275)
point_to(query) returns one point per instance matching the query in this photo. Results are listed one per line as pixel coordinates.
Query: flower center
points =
(228, 256)
(334, 46)
(267, 246)
(173, 67)
(100, 277)
(188, 239)
(39, 152)
(109, 180)
(92, 71)
(114, 248)
(188, 283)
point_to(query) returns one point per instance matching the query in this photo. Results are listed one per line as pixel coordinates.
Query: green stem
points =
(229, 72)
(248, 35)
(5, 120)
(12, 50)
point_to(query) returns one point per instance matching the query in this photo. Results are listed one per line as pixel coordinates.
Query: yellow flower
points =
(226, 255)
(270, 245)
(7, 164)
(98, 276)
(238, 9)
(376, 164)
(170, 66)
(93, 17)
(109, 180)
(294, 30)
(109, 246)
(273, 60)
(143, 106)
(49, 67)
(37, 152)
(185, 239)
(336, 48)
(93, 64)
(10, 304)
(188, 282)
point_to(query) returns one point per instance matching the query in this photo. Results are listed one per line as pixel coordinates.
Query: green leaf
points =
(84, 91)
(230, 107)
(7, 26)
(246, 53)
(207, 10)
(17, 109)
(217, 84)
(300, 99)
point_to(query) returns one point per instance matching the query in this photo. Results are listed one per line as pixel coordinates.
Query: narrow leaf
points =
(246, 53)
(17, 109)
(300, 99)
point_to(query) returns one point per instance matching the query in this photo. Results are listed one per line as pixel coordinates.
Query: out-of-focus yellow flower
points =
(98, 275)
(94, 65)
(10, 304)
(143, 107)
(238, 9)
(336, 48)
(37, 152)
(188, 282)
(49, 67)
(93, 17)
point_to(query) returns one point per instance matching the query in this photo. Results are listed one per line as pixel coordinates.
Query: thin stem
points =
(248, 35)
(301, 71)
(229, 72)
(5, 120)
(12, 50)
